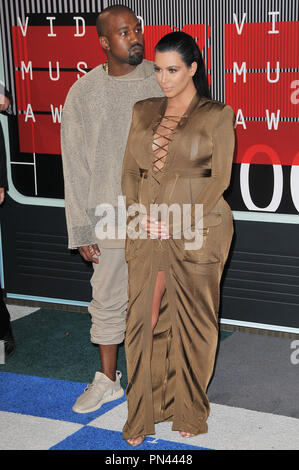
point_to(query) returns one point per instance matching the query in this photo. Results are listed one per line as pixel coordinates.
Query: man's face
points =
(123, 36)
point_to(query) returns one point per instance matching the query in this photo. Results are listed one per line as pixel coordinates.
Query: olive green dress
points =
(191, 166)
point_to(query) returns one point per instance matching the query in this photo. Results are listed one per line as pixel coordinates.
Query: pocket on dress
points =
(210, 250)
(212, 219)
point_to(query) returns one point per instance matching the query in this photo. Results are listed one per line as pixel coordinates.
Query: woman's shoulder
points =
(148, 104)
(209, 104)
(214, 111)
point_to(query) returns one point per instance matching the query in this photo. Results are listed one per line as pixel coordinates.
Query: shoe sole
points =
(113, 397)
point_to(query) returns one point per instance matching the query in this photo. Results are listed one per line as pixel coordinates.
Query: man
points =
(6, 334)
(4, 105)
(95, 126)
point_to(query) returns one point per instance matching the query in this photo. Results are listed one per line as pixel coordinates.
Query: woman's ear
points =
(193, 68)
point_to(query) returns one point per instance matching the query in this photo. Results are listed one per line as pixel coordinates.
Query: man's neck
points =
(116, 69)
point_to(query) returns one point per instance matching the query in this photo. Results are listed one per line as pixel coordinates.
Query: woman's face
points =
(172, 74)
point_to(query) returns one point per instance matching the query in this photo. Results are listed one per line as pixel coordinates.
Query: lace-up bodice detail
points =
(163, 135)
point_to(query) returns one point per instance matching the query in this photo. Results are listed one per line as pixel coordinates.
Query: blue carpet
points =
(91, 438)
(46, 398)
(53, 399)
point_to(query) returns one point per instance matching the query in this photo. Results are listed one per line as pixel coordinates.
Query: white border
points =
(266, 217)
(260, 326)
(51, 300)
(223, 321)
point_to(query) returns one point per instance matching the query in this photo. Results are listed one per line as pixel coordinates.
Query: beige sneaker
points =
(100, 391)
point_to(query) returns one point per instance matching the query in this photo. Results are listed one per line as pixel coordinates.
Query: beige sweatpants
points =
(109, 297)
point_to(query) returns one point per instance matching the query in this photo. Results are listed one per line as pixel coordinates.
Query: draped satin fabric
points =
(171, 384)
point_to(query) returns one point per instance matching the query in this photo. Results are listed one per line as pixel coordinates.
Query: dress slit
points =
(163, 390)
(157, 307)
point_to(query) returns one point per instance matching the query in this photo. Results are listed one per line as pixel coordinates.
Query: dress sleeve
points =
(130, 169)
(222, 158)
(76, 174)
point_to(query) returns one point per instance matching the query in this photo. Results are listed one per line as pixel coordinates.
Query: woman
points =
(179, 151)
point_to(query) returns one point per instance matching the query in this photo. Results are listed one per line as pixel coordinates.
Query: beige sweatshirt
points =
(95, 125)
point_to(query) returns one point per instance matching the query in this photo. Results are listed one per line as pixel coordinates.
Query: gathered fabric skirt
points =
(171, 383)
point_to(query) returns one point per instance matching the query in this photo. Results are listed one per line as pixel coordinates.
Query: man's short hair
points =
(113, 9)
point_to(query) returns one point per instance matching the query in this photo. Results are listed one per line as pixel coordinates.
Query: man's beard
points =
(137, 57)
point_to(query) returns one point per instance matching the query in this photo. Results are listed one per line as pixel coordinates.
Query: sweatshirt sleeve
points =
(76, 173)
(222, 158)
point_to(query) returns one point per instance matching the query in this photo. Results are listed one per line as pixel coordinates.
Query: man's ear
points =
(104, 43)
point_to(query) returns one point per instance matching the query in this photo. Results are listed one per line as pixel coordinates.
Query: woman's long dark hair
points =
(189, 51)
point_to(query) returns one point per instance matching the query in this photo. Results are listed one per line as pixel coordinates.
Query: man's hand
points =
(2, 195)
(90, 253)
(4, 102)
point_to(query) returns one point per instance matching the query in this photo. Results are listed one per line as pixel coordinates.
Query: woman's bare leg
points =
(159, 291)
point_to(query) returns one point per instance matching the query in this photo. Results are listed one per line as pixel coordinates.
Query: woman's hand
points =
(154, 228)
